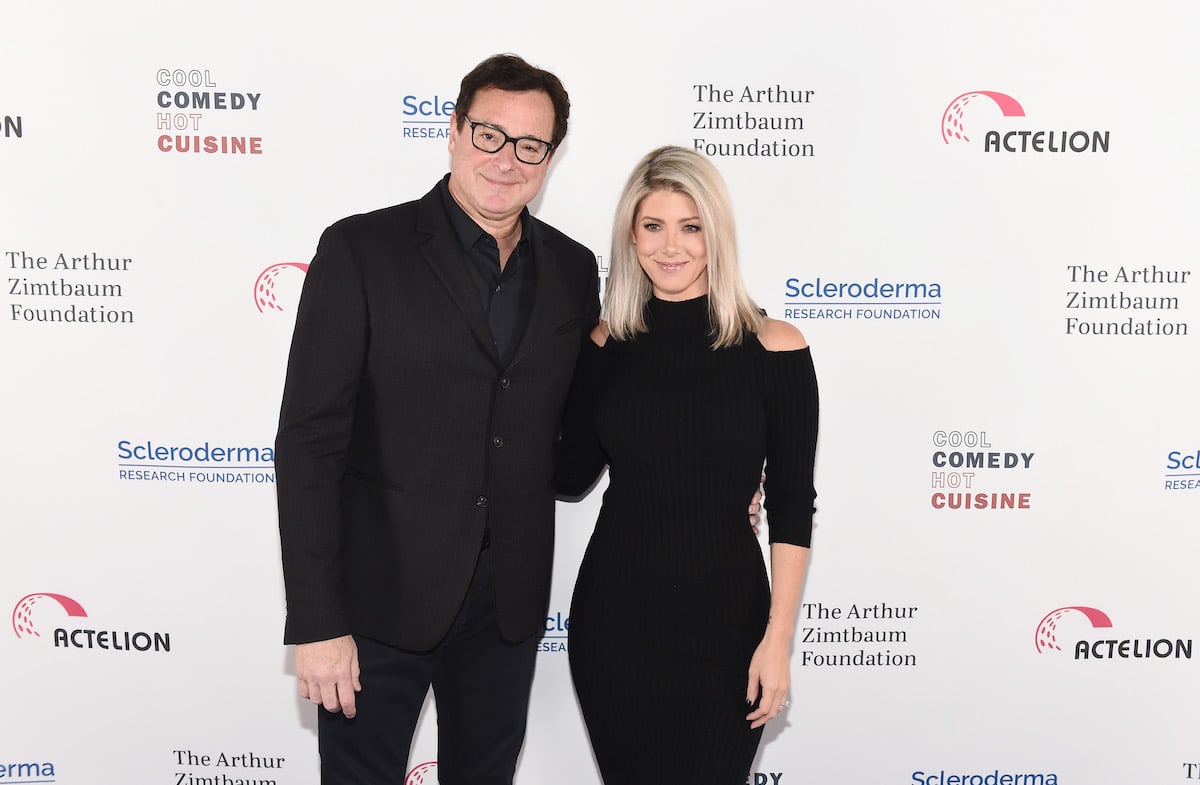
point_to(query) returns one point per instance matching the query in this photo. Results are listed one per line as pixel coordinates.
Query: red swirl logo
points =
(422, 774)
(265, 298)
(954, 127)
(1046, 636)
(22, 615)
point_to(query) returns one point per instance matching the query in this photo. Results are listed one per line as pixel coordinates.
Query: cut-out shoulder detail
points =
(780, 336)
(600, 333)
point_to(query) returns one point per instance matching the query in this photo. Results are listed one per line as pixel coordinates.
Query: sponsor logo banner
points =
(1091, 645)
(744, 120)
(966, 470)
(224, 767)
(12, 126)
(77, 291)
(422, 774)
(206, 462)
(856, 636)
(555, 637)
(38, 612)
(977, 109)
(993, 777)
(1183, 470)
(266, 285)
(1124, 300)
(867, 299)
(426, 116)
(189, 102)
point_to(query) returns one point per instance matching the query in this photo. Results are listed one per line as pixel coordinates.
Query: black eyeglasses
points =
(490, 139)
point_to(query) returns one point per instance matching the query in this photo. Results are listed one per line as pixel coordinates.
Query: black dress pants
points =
(481, 689)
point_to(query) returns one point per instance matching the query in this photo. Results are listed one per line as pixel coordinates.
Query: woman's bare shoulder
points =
(779, 336)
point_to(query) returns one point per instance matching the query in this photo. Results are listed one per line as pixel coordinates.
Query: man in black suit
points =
(433, 349)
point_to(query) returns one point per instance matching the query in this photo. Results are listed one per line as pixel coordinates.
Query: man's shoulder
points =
(384, 218)
(563, 243)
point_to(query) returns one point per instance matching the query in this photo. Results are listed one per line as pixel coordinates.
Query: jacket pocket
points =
(369, 480)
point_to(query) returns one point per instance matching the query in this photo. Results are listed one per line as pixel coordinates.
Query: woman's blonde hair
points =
(679, 170)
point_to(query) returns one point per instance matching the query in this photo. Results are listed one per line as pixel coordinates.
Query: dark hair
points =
(509, 72)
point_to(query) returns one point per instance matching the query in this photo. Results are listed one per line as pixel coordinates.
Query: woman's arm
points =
(769, 675)
(581, 459)
(792, 407)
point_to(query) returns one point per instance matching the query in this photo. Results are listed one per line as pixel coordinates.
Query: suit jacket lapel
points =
(547, 287)
(442, 252)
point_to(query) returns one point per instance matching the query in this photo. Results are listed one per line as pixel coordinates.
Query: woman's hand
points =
(769, 677)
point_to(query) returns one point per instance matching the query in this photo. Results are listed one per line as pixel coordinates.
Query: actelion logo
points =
(1047, 631)
(22, 616)
(954, 124)
(961, 112)
(422, 774)
(1048, 634)
(11, 126)
(25, 626)
(265, 295)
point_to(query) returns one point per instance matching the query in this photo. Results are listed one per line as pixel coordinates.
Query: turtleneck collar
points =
(678, 314)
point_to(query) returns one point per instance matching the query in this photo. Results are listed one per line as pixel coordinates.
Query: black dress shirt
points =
(506, 295)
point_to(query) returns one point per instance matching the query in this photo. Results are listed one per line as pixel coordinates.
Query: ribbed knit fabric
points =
(672, 595)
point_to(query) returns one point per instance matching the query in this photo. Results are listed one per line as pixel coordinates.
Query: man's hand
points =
(327, 672)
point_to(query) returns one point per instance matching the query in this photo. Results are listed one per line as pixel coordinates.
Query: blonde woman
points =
(679, 646)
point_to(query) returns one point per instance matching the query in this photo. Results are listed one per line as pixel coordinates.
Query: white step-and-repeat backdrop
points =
(981, 215)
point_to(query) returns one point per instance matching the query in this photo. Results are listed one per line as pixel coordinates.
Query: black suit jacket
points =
(401, 435)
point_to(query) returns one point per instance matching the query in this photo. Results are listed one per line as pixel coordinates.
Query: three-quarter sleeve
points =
(581, 459)
(791, 409)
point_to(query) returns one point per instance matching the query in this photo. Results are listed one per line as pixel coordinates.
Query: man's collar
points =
(465, 228)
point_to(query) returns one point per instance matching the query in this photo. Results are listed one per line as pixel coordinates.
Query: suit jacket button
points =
(482, 501)
(504, 383)
(497, 442)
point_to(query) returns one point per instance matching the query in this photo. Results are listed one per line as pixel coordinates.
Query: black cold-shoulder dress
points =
(672, 595)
